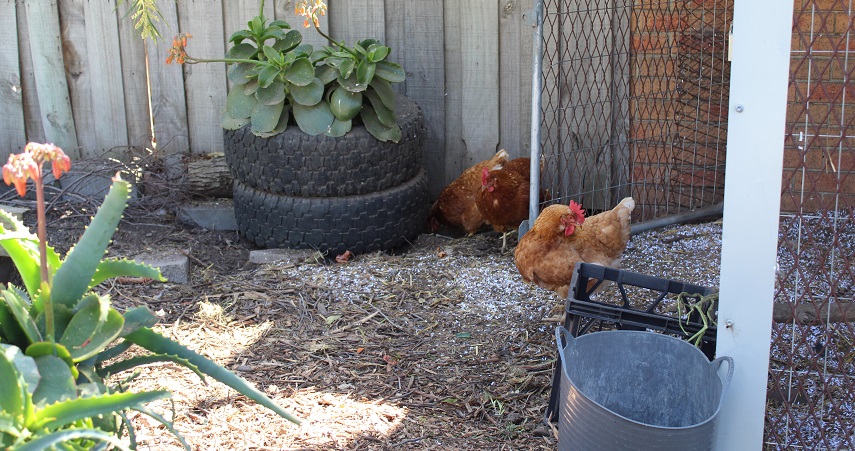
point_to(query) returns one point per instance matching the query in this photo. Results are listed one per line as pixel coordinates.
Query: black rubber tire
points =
(381, 220)
(293, 163)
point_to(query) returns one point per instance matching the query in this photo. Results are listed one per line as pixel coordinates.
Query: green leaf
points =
(242, 51)
(48, 441)
(367, 43)
(113, 267)
(365, 72)
(360, 49)
(272, 55)
(271, 95)
(326, 74)
(23, 247)
(67, 412)
(301, 72)
(238, 36)
(308, 95)
(385, 115)
(464, 335)
(345, 68)
(391, 72)
(265, 117)
(239, 73)
(377, 129)
(345, 105)
(18, 306)
(133, 362)
(74, 275)
(61, 316)
(251, 86)
(377, 52)
(14, 395)
(280, 127)
(86, 337)
(280, 24)
(11, 330)
(351, 84)
(339, 128)
(256, 25)
(291, 40)
(57, 382)
(385, 91)
(155, 342)
(228, 122)
(138, 317)
(319, 55)
(315, 119)
(267, 75)
(238, 104)
(115, 351)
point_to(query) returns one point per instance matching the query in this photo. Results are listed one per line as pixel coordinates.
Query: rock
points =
(173, 264)
(287, 256)
(211, 215)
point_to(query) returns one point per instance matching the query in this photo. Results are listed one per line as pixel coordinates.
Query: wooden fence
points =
(73, 72)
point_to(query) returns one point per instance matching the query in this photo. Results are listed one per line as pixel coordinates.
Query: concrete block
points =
(211, 215)
(173, 264)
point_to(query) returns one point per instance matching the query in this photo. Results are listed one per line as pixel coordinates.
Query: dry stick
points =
(354, 324)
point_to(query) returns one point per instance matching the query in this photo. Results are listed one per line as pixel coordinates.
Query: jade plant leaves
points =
(314, 119)
(265, 117)
(271, 95)
(345, 105)
(391, 72)
(308, 95)
(377, 129)
(301, 72)
(238, 104)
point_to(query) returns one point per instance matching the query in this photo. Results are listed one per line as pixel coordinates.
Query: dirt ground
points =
(437, 346)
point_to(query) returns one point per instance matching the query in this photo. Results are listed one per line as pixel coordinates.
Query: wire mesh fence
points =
(811, 396)
(635, 103)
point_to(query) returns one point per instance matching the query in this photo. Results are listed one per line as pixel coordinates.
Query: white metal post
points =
(762, 31)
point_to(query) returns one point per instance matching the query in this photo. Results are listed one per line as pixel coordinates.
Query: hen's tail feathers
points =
(625, 207)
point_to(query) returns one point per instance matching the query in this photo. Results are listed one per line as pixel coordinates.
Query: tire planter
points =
(362, 223)
(352, 193)
(296, 164)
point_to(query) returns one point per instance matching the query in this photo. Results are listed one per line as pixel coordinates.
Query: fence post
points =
(759, 73)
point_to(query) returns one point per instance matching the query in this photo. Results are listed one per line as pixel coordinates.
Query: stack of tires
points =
(352, 193)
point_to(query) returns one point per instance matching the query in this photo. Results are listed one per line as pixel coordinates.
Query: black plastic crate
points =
(585, 314)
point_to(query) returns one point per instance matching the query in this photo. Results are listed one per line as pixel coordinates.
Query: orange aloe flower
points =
(311, 12)
(28, 165)
(177, 52)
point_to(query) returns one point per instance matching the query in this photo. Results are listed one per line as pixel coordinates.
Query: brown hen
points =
(503, 199)
(455, 206)
(562, 236)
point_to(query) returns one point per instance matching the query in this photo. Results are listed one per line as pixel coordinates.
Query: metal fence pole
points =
(536, 89)
(758, 97)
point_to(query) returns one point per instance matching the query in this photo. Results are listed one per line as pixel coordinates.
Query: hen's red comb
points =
(578, 212)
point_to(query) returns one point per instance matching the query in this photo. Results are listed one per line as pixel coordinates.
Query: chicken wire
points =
(634, 102)
(811, 397)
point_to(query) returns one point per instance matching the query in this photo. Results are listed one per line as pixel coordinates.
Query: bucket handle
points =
(563, 336)
(716, 364)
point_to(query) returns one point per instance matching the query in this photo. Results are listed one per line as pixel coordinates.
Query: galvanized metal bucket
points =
(631, 390)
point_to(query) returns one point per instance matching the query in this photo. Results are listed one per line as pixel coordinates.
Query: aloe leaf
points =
(157, 343)
(47, 348)
(11, 330)
(113, 267)
(385, 91)
(48, 441)
(57, 382)
(61, 316)
(315, 119)
(13, 236)
(8, 426)
(377, 129)
(138, 317)
(86, 337)
(66, 412)
(291, 40)
(133, 362)
(115, 351)
(271, 95)
(74, 275)
(164, 422)
(14, 395)
(339, 128)
(308, 95)
(239, 73)
(391, 72)
(266, 117)
(385, 115)
(345, 105)
(18, 306)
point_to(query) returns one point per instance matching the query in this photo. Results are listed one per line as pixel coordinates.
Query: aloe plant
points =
(275, 76)
(58, 333)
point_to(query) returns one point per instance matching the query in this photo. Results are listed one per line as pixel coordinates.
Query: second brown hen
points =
(455, 206)
(504, 199)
